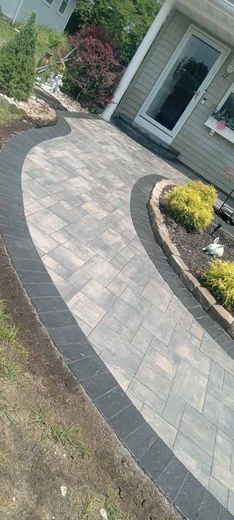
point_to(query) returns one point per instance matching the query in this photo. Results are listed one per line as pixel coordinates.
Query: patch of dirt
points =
(13, 128)
(38, 113)
(53, 436)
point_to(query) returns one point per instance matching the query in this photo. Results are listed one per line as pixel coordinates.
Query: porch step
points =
(145, 138)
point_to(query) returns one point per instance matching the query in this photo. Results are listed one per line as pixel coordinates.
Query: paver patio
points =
(77, 191)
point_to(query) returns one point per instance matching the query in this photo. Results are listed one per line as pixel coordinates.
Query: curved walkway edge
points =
(152, 454)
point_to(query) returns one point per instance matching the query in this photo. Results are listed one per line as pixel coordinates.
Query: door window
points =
(182, 83)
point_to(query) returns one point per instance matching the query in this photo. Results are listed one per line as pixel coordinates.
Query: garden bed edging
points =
(202, 295)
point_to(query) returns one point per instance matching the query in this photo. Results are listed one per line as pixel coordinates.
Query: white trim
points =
(229, 91)
(48, 3)
(212, 122)
(61, 2)
(17, 12)
(138, 58)
(226, 132)
(150, 124)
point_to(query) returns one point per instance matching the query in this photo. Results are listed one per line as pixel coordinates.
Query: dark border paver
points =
(155, 458)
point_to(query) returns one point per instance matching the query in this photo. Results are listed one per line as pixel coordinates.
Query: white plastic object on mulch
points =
(63, 490)
(103, 514)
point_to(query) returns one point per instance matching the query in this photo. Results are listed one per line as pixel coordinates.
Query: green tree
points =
(17, 62)
(126, 21)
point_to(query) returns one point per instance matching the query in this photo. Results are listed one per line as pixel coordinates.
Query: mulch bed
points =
(14, 128)
(190, 244)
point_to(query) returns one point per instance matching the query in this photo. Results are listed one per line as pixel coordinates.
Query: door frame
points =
(149, 123)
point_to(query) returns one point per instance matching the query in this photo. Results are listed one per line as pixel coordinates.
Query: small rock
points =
(63, 490)
(103, 514)
(14, 499)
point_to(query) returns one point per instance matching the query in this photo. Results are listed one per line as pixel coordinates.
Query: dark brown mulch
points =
(14, 128)
(190, 244)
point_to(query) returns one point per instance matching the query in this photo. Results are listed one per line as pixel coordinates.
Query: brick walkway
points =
(77, 201)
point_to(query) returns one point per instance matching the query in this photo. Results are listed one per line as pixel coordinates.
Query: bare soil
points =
(14, 127)
(53, 436)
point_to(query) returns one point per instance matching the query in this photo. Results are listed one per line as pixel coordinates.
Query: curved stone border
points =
(155, 458)
(202, 295)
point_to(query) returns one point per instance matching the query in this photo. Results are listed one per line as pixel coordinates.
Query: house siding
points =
(204, 154)
(46, 14)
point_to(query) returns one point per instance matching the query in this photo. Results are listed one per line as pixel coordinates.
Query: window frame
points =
(47, 2)
(212, 122)
(61, 3)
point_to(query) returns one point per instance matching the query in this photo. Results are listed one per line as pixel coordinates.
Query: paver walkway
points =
(77, 193)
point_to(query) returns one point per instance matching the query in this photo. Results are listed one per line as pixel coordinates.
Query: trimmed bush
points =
(93, 72)
(17, 62)
(219, 279)
(191, 205)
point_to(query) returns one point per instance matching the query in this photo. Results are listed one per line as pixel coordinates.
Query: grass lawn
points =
(47, 39)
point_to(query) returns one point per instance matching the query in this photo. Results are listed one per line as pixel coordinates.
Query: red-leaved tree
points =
(95, 68)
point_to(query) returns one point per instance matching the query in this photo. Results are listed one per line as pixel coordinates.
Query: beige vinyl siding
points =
(205, 154)
(152, 66)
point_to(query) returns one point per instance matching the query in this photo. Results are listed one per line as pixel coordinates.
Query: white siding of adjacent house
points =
(46, 14)
(205, 154)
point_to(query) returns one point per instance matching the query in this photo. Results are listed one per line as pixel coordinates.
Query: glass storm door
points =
(178, 89)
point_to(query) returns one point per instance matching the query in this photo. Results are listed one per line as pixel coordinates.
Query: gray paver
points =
(190, 385)
(194, 458)
(173, 410)
(203, 432)
(78, 212)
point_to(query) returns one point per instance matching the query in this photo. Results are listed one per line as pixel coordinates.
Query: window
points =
(49, 2)
(222, 119)
(63, 6)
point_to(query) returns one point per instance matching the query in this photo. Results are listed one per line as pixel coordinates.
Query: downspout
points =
(17, 12)
(138, 58)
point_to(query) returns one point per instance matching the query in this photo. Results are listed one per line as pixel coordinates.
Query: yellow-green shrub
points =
(207, 191)
(192, 204)
(219, 279)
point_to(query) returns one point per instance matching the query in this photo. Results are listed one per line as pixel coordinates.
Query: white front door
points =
(182, 84)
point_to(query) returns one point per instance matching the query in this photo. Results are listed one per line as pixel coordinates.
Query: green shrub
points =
(17, 62)
(219, 279)
(191, 205)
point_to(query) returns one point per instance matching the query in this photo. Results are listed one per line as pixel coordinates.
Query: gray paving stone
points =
(99, 294)
(231, 502)
(172, 478)
(162, 361)
(226, 421)
(146, 396)
(156, 379)
(140, 304)
(173, 409)
(194, 458)
(117, 327)
(120, 350)
(164, 429)
(140, 441)
(218, 490)
(156, 459)
(142, 339)
(125, 313)
(217, 354)
(157, 295)
(100, 270)
(159, 324)
(190, 497)
(86, 309)
(190, 385)
(79, 279)
(197, 428)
